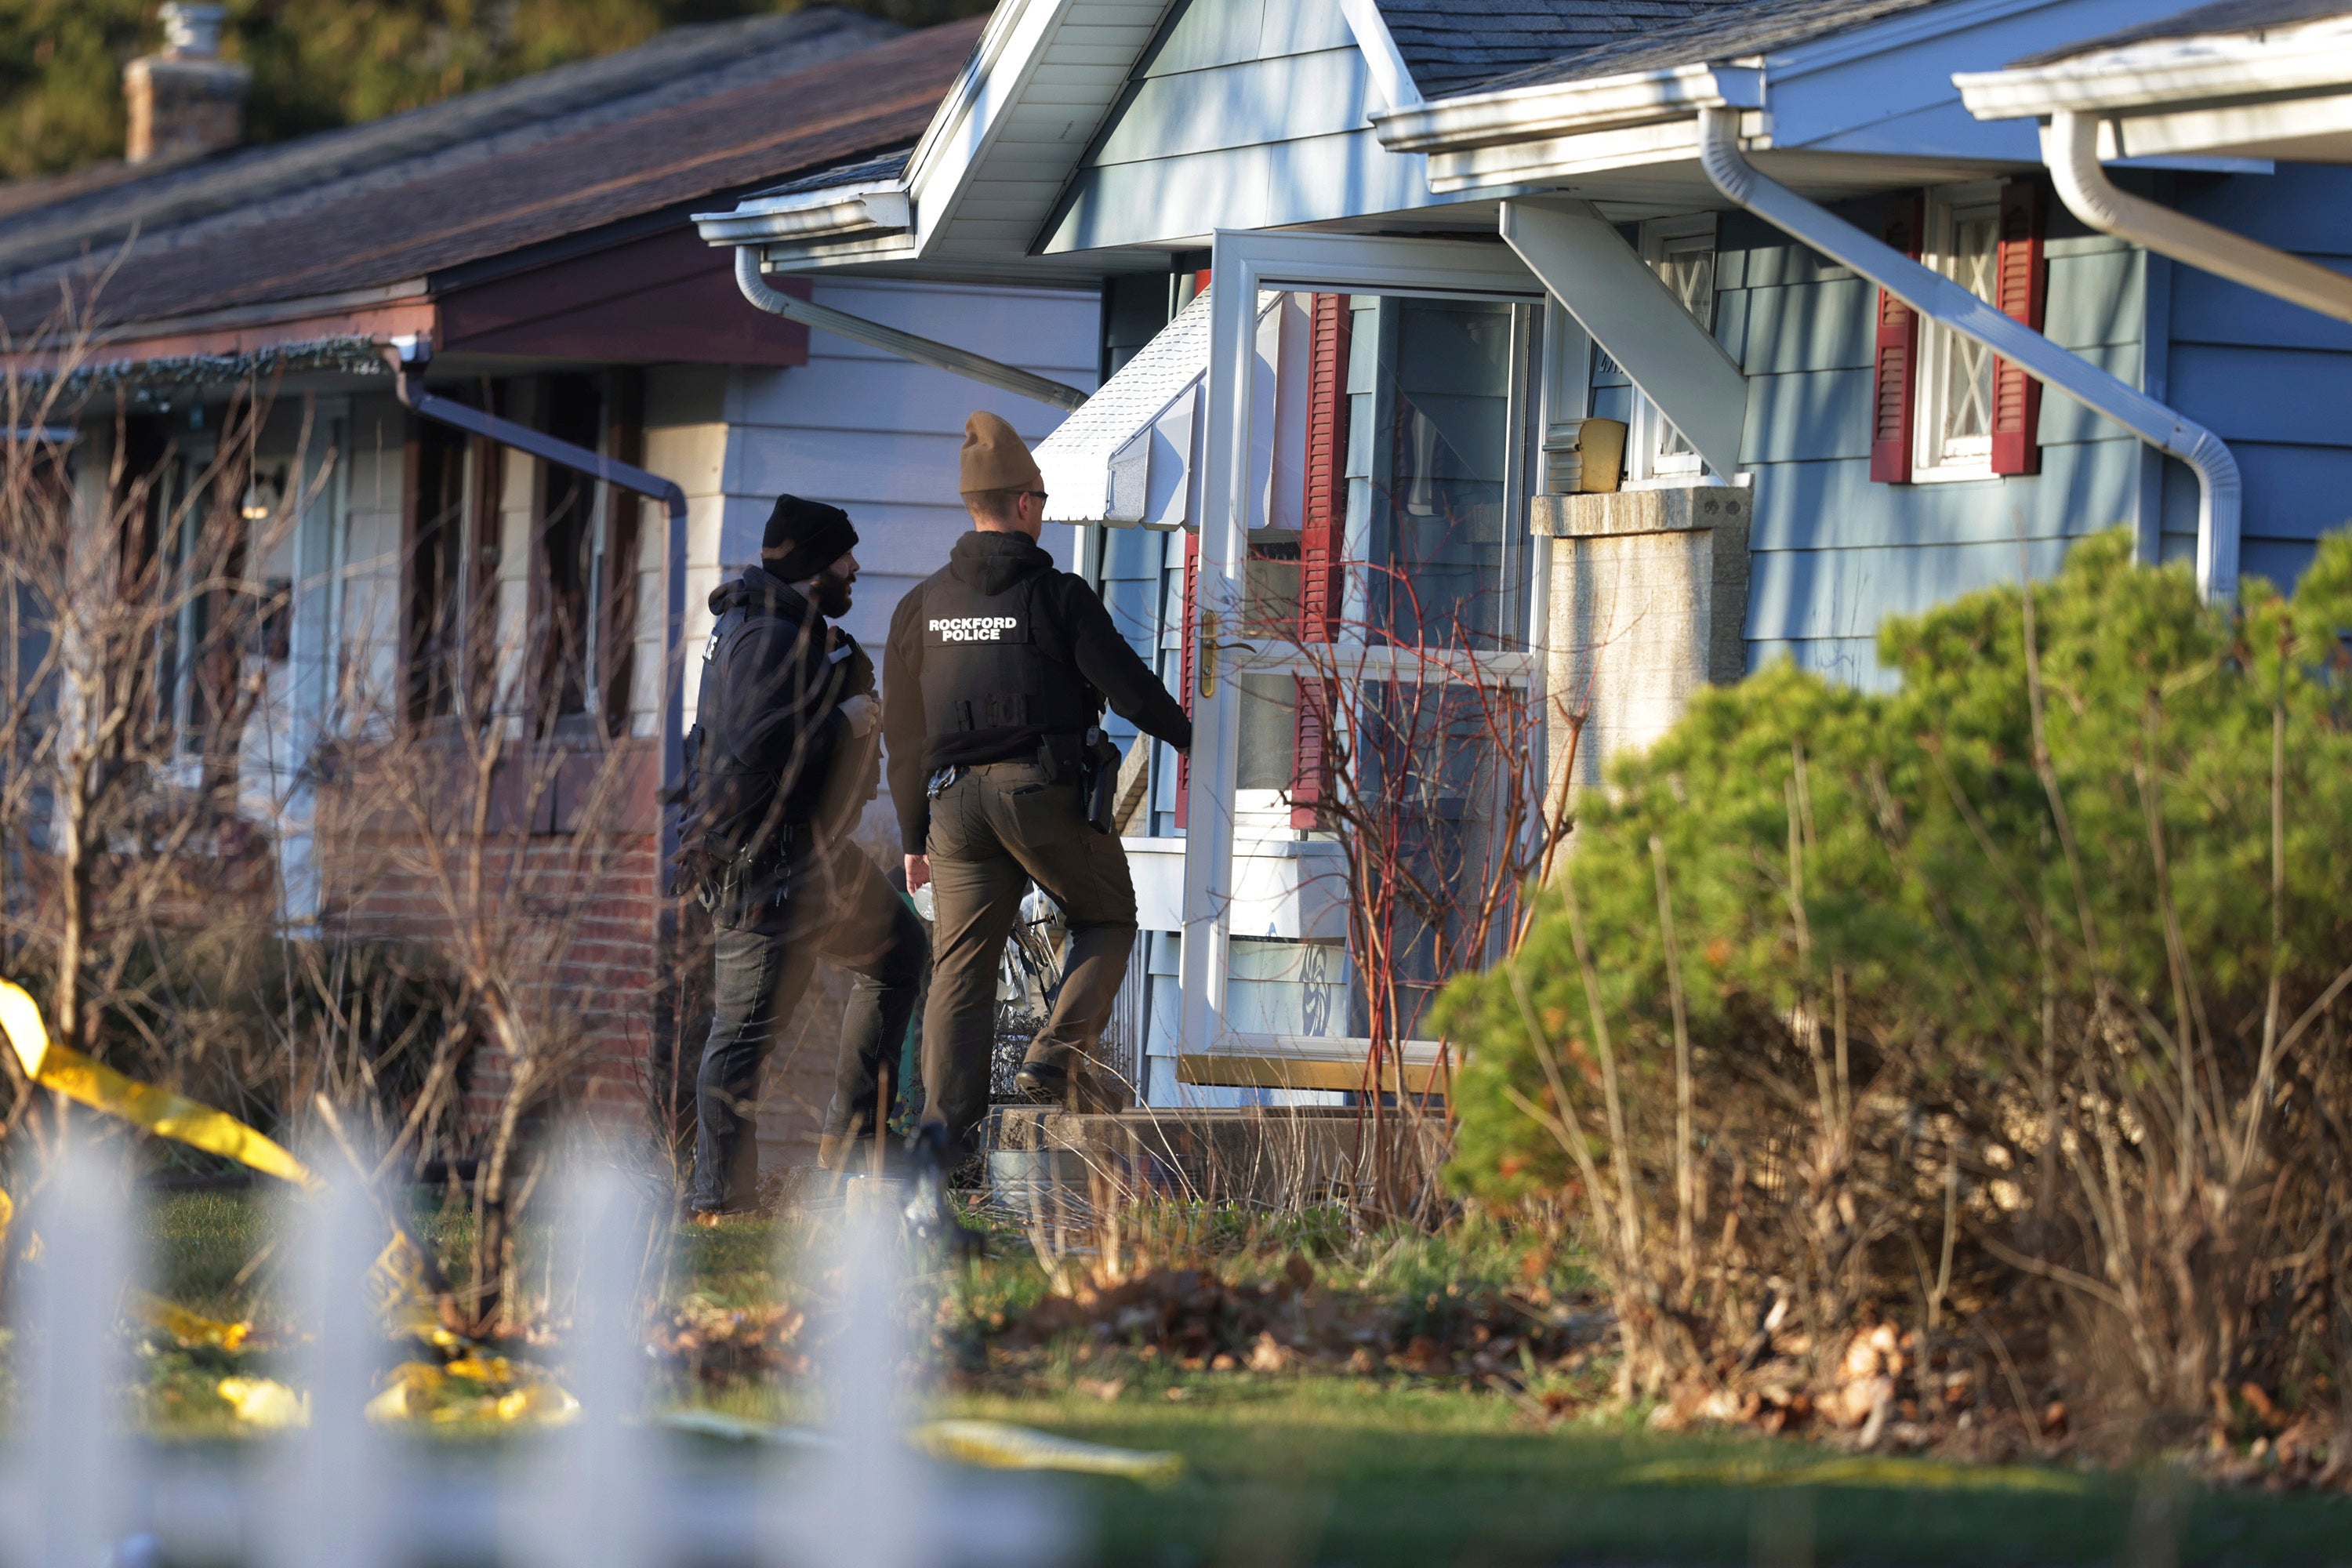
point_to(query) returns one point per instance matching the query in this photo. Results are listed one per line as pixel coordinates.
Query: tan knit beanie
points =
(994, 457)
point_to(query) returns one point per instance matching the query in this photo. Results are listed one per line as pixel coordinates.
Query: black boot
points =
(1047, 1082)
(929, 1212)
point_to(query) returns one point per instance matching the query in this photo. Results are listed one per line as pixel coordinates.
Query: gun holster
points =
(1098, 779)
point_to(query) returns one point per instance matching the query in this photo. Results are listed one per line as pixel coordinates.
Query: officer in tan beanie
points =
(994, 684)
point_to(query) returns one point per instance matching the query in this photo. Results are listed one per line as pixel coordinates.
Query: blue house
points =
(1583, 349)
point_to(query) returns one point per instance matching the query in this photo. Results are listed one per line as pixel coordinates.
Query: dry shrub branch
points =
(274, 840)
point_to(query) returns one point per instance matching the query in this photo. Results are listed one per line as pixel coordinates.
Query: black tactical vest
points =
(983, 669)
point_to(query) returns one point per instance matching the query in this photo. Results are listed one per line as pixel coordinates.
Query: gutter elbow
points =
(755, 288)
(1726, 167)
(2071, 150)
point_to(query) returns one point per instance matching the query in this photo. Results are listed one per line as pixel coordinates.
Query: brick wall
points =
(571, 913)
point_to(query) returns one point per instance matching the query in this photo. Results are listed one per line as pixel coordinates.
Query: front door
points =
(1366, 773)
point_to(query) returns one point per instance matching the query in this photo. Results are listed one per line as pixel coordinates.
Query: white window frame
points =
(1244, 263)
(1662, 240)
(1936, 457)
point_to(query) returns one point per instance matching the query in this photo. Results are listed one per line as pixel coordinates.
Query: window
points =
(1681, 251)
(451, 480)
(470, 503)
(1953, 428)
(584, 587)
(1946, 406)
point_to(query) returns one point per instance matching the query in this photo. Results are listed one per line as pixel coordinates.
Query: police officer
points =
(781, 761)
(997, 666)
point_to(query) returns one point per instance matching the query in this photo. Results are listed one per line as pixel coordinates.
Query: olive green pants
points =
(999, 826)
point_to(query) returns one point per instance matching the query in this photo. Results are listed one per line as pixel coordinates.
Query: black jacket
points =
(772, 731)
(1072, 626)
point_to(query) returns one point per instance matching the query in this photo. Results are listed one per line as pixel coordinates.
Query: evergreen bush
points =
(2010, 1008)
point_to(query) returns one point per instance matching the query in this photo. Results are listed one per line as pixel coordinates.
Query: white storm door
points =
(1243, 264)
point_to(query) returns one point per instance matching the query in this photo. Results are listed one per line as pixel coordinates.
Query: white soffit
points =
(1127, 457)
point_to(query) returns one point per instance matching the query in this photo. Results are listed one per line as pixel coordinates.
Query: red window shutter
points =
(1184, 662)
(1322, 549)
(1323, 517)
(1897, 350)
(1310, 769)
(2021, 281)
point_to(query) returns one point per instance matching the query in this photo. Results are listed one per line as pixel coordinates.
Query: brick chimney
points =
(187, 100)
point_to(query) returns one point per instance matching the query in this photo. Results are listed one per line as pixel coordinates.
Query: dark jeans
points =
(763, 951)
(998, 828)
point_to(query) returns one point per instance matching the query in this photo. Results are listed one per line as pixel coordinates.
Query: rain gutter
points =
(407, 358)
(1940, 299)
(890, 340)
(2070, 147)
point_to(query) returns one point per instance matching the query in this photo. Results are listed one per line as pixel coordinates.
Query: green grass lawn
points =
(1331, 1471)
(1292, 1469)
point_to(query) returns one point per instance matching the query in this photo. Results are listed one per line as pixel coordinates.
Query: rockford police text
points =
(974, 628)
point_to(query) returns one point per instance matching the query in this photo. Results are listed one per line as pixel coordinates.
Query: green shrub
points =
(1933, 976)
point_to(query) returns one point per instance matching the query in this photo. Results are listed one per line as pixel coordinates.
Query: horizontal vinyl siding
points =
(1833, 553)
(879, 436)
(2270, 378)
(1248, 114)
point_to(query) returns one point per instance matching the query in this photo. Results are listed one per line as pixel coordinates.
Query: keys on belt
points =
(943, 781)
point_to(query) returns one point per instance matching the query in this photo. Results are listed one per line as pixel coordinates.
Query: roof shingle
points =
(54, 223)
(359, 235)
(1451, 45)
(1729, 29)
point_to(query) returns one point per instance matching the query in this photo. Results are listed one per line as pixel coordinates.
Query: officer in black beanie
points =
(783, 758)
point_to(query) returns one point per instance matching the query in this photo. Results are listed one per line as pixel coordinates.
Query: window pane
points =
(1968, 375)
(1439, 548)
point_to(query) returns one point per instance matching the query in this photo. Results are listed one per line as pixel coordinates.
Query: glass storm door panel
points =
(1363, 719)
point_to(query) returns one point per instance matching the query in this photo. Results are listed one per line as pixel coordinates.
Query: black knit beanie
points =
(804, 538)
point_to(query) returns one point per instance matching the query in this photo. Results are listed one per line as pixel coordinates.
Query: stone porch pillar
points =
(1649, 602)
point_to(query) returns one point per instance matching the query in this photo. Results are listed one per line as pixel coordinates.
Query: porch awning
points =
(1130, 457)
(1126, 458)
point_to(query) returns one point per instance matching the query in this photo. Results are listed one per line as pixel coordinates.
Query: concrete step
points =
(1274, 1157)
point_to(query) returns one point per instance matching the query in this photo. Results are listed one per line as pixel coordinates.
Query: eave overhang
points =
(1558, 130)
(863, 211)
(2169, 74)
(2287, 94)
(1553, 110)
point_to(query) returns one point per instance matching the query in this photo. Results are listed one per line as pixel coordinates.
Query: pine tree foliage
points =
(2022, 984)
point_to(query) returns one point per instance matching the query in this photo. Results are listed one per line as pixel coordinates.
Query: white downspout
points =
(890, 340)
(1942, 300)
(2071, 148)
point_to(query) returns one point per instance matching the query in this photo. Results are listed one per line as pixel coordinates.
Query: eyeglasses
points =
(1039, 494)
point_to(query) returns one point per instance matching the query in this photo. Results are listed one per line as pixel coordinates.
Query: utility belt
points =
(1088, 760)
(715, 874)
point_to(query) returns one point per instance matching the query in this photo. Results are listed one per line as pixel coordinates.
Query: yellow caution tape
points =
(1000, 1446)
(995, 1444)
(158, 1110)
(420, 1390)
(265, 1401)
(193, 1329)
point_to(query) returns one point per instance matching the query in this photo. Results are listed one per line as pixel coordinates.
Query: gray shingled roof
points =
(362, 234)
(2224, 16)
(187, 203)
(1719, 32)
(882, 167)
(1450, 45)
